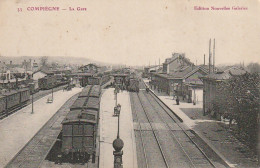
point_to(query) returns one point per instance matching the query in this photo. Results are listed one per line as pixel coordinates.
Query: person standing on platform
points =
(177, 101)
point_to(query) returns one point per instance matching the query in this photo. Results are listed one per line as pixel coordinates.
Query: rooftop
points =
(183, 72)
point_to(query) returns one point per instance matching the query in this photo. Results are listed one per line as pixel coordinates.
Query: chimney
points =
(214, 57)
(11, 62)
(204, 60)
(4, 62)
(209, 56)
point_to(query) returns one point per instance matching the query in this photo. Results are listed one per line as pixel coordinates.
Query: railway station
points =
(110, 119)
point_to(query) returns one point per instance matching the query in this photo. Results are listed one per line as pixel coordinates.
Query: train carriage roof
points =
(90, 111)
(79, 103)
(85, 91)
(11, 92)
(24, 89)
(93, 103)
(75, 116)
(120, 75)
(95, 92)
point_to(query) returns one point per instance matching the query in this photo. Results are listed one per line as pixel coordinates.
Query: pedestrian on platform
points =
(178, 101)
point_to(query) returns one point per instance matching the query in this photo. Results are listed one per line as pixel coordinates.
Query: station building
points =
(212, 83)
(180, 77)
(184, 82)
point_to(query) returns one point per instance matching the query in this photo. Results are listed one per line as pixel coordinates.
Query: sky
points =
(131, 32)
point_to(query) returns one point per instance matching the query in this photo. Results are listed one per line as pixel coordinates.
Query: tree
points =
(3, 77)
(254, 68)
(44, 61)
(54, 65)
(240, 101)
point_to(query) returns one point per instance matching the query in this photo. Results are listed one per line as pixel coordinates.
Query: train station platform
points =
(214, 133)
(108, 129)
(17, 129)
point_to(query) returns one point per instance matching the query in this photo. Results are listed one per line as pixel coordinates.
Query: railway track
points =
(168, 141)
(35, 151)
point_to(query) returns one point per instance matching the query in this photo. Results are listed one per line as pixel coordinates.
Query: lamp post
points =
(52, 94)
(115, 92)
(258, 144)
(32, 103)
(118, 145)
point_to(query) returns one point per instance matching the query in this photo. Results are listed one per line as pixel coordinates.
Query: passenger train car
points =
(12, 99)
(79, 128)
(50, 82)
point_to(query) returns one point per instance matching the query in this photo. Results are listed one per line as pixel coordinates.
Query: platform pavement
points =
(226, 151)
(17, 129)
(108, 130)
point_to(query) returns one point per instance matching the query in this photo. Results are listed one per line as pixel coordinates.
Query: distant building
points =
(180, 77)
(41, 73)
(9, 73)
(90, 68)
(3, 67)
(35, 66)
(27, 65)
(175, 62)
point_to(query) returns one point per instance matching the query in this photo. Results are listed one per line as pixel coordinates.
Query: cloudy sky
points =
(131, 32)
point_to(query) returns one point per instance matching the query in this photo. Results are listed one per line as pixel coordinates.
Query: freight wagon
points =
(79, 128)
(79, 135)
